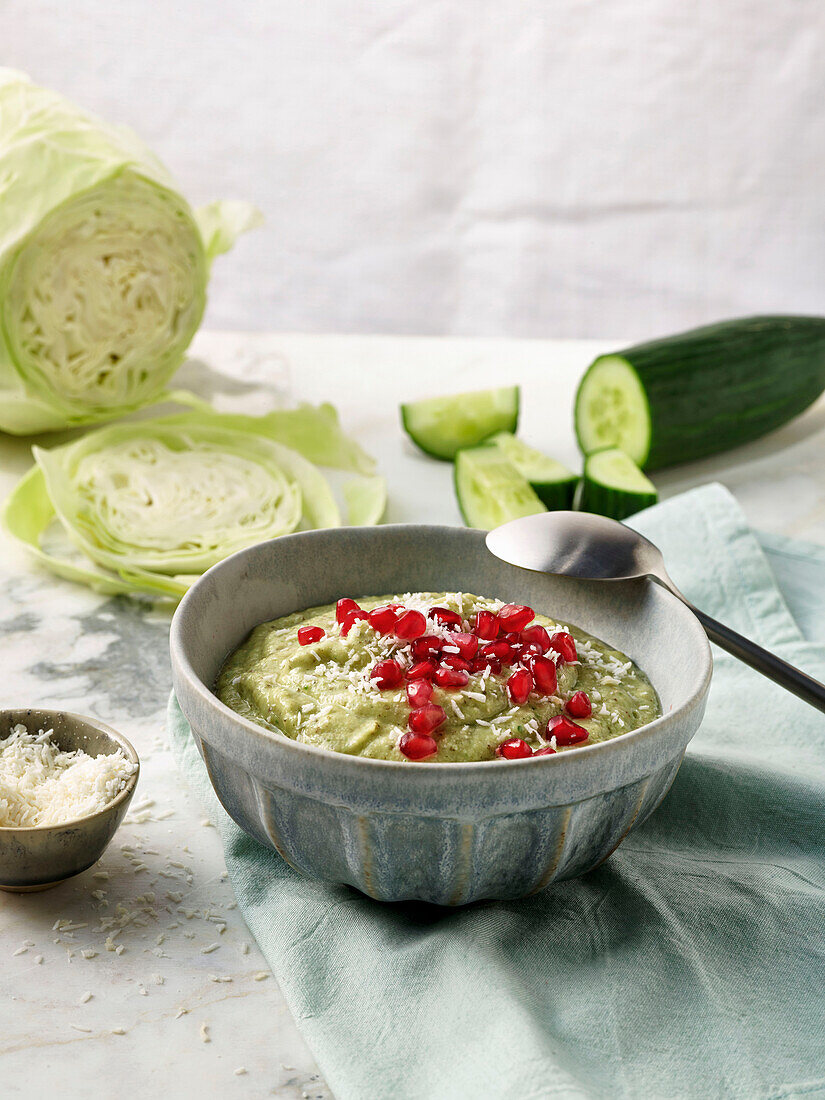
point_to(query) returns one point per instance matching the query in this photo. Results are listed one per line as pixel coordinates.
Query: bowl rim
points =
(121, 742)
(445, 769)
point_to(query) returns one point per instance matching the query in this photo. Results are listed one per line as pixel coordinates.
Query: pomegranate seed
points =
(536, 635)
(427, 646)
(519, 686)
(511, 637)
(344, 608)
(514, 749)
(578, 705)
(382, 619)
(514, 616)
(450, 678)
(421, 670)
(478, 664)
(455, 662)
(350, 620)
(411, 624)
(503, 651)
(548, 750)
(309, 634)
(419, 692)
(486, 626)
(387, 674)
(467, 645)
(565, 731)
(444, 616)
(564, 644)
(426, 719)
(417, 746)
(544, 673)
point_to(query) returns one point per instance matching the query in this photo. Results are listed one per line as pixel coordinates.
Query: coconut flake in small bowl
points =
(65, 785)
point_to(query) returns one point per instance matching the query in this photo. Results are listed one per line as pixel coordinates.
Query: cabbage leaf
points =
(149, 505)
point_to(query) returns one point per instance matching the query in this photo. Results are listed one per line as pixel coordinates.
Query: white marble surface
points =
(63, 646)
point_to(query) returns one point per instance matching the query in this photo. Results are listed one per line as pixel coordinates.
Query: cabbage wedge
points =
(103, 264)
(147, 506)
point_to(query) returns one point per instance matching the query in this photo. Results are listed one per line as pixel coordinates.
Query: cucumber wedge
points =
(443, 426)
(489, 490)
(552, 482)
(703, 391)
(613, 485)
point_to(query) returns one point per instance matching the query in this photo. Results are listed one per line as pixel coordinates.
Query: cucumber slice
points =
(613, 485)
(489, 490)
(701, 392)
(366, 500)
(552, 482)
(443, 426)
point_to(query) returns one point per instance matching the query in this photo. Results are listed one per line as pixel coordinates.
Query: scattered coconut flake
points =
(204, 1033)
(210, 948)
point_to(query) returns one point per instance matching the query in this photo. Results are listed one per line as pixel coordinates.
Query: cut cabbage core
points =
(106, 294)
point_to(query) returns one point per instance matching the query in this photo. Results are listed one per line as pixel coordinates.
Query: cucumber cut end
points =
(443, 426)
(612, 409)
(490, 491)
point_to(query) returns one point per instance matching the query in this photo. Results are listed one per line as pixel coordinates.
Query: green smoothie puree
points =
(445, 676)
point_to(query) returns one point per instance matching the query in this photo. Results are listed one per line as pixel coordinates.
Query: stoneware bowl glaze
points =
(40, 857)
(443, 833)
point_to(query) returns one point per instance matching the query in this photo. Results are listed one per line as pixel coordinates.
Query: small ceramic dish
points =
(42, 856)
(443, 833)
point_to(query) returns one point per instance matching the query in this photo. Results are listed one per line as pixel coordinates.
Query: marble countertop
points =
(141, 971)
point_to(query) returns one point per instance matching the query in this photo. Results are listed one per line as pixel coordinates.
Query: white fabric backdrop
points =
(530, 167)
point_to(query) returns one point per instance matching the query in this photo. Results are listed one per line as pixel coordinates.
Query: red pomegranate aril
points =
(417, 746)
(565, 731)
(478, 664)
(578, 705)
(514, 749)
(503, 651)
(515, 616)
(382, 619)
(564, 644)
(545, 676)
(387, 674)
(421, 670)
(309, 634)
(426, 719)
(486, 626)
(452, 661)
(427, 646)
(444, 616)
(467, 645)
(548, 750)
(536, 635)
(519, 686)
(410, 625)
(451, 678)
(344, 608)
(419, 692)
(351, 619)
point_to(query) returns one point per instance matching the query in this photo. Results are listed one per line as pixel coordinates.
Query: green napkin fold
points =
(691, 964)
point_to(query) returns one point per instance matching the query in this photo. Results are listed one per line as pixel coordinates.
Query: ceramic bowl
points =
(443, 833)
(43, 856)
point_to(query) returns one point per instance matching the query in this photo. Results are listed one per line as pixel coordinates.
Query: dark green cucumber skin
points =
(726, 384)
(616, 503)
(556, 496)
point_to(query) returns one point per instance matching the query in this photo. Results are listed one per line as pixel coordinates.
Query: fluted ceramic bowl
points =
(443, 833)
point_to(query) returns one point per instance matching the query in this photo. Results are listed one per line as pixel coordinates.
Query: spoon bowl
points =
(595, 548)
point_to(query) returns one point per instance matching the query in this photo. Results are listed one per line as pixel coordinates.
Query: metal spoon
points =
(578, 544)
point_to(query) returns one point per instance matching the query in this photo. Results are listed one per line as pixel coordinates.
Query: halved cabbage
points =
(103, 264)
(154, 503)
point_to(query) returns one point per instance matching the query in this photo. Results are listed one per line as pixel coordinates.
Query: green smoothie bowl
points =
(383, 814)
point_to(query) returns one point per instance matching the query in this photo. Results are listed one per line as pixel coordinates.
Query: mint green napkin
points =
(691, 964)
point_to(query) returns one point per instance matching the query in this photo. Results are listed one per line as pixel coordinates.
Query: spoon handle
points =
(787, 676)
